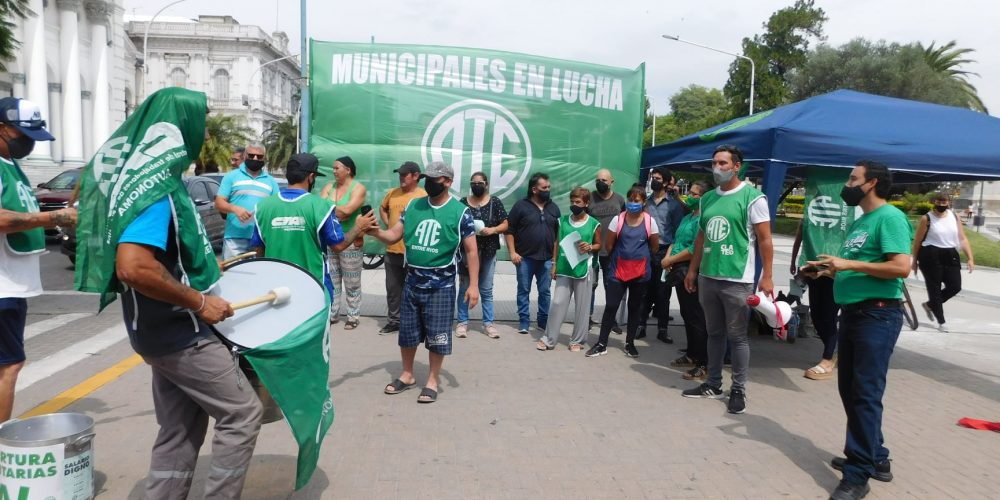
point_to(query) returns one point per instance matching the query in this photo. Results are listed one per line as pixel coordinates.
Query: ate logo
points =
(824, 211)
(717, 229)
(115, 162)
(27, 197)
(428, 233)
(474, 135)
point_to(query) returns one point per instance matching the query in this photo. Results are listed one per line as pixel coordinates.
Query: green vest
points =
(290, 230)
(725, 225)
(432, 234)
(19, 197)
(586, 232)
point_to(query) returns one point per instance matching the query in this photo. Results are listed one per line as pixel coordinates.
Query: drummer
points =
(298, 227)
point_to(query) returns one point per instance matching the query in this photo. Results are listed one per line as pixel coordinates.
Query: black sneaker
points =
(597, 350)
(617, 330)
(850, 491)
(631, 351)
(883, 470)
(704, 391)
(664, 337)
(640, 333)
(682, 362)
(389, 328)
(737, 401)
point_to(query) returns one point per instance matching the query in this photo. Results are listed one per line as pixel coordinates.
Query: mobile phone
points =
(364, 209)
(815, 268)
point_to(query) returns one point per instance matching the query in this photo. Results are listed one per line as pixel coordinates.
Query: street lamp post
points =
(304, 104)
(145, 43)
(753, 67)
(246, 97)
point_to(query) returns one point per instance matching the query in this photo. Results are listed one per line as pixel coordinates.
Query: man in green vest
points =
(21, 226)
(432, 228)
(734, 218)
(297, 226)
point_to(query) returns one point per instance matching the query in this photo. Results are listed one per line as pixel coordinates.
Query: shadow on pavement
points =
(269, 477)
(392, 368)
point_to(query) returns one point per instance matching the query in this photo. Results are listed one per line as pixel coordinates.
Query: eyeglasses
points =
(255, 157)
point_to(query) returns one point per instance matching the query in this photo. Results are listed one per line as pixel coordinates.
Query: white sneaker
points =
(462, 330)
(943, 328)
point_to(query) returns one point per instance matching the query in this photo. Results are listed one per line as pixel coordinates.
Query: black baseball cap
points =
(305, 163)
(408, 168)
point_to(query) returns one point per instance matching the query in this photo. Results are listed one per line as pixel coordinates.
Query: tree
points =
(693, 108)
(946, 60)
(782, 48)
(10, 11)
(225, 133)
(281, 139)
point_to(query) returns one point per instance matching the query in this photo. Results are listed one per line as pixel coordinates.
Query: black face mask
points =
(852, 196)
(577, 210)
(940, 208)
(254, 165)
(433, 187)
(478, 190)
(20, 146)
(603, 187)
(543, 196)
(656, 186)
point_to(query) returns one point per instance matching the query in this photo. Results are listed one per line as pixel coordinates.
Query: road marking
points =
(46, 367)
(84, 388)
(46, 325)
(69, 292)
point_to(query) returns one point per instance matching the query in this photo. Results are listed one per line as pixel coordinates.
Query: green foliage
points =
(986, 251)
(225, 133)
(900, 204)
(795, 198)
(281, 139)
(946, 60)
(783, 47)
(786, 225)
(923, 207)
(693, 108)
(793, 208)
(10, 12)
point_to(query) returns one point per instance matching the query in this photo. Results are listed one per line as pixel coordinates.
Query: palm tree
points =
(10, 11)
(281, 139)
(946, 60)
(225, 133)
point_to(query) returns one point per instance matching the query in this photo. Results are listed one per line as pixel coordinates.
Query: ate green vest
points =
(586, 232)
(290, 230)
(432, 234)
(725, 225)
(18, 197)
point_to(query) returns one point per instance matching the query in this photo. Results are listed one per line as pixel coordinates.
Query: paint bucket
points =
(48, 456)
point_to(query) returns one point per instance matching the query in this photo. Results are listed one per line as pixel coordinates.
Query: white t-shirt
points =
(20, 275)
(653, 228)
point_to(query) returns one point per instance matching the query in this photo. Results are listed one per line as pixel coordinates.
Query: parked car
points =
(55, 194)
(202, 191)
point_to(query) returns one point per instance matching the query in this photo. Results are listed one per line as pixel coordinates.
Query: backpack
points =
(632, 269)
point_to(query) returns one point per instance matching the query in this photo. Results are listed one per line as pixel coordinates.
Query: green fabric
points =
(18, 197)
(825, 218)
(725, 223)
(872, 238)
(347, 224)
(290, 230)
(686, 233)
(141, 163)
(432, 234)
(507, 114)
(586, 232)
(296, 370)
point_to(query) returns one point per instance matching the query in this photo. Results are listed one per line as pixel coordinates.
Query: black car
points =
(202, 191)
(55, 194)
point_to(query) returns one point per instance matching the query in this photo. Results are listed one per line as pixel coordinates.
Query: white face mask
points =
(722, 176)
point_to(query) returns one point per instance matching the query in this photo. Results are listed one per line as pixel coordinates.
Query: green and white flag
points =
(825, 219)
(506, 114)
(141, 163)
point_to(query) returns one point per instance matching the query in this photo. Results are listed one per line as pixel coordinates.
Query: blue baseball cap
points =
(26, 116)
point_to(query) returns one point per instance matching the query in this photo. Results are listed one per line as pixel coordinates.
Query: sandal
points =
(351, 324)
(576, 347)
(819, 373)
(427, 395)
(397, 386)
(542, 347)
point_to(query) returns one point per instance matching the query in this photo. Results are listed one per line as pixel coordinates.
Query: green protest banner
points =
(505, 114)
(825, 218)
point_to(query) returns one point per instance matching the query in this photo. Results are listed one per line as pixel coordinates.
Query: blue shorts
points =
(13, 312)
(426, 315)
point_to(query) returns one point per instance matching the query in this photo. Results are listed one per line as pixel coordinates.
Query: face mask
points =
(20, 146)
(544, 196)
(433, 187)
(940, 208)
(633, 207)
(656, 186)
(722, 176)
(254, 165)
(577, 210)
(692, 203)
(478, 190)
(603, 187)
(852, 196)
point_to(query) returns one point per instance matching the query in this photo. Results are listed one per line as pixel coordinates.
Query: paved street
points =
(513, 422)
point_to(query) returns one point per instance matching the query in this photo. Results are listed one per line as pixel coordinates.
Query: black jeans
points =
(657, 295)
(940, 265)
(694, 322)
(616, 290)
(823, 312)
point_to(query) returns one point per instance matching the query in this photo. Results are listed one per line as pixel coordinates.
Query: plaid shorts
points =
(426, 315)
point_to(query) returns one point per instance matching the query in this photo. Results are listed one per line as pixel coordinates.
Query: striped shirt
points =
(243, 190)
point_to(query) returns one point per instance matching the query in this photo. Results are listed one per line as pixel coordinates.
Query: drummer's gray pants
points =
(188, 387)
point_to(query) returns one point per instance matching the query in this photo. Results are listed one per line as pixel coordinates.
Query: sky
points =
(622, 33)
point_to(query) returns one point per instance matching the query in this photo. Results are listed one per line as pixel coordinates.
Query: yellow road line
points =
(84, 388)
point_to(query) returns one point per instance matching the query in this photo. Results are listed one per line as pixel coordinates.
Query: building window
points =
(178, 78)
(221, 82)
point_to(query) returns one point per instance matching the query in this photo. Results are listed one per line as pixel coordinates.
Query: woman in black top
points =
(491, 221)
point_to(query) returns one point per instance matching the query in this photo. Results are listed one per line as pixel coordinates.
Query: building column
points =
(57, 127)
(98, 13)
(88, 132)
(37, 79)
(71, 135)
(17, 81)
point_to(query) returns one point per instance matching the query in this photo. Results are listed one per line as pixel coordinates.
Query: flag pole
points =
(304, 103)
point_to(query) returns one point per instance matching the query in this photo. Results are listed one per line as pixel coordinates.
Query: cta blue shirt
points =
(244, 190)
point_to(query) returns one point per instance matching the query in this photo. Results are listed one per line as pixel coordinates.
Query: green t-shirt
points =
(686, 233)
(290, 230)
(872, 238)
(586, 230)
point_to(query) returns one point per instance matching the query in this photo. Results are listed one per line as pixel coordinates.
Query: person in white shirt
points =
(935, 253)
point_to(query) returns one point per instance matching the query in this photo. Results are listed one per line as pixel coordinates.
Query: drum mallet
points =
(238, 257)
(275, 297)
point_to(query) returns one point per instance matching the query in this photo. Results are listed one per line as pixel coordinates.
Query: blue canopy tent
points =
(920, 142)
